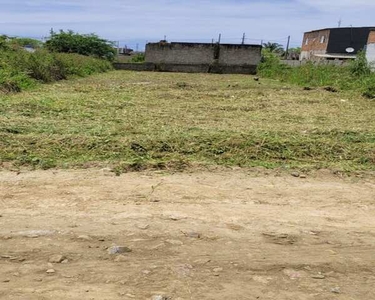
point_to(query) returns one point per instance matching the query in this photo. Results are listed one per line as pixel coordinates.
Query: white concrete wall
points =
(370, 54)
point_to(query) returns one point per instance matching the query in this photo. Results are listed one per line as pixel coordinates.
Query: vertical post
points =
(137, 47)
(243, 39)
(212, 41)
(261, 43)
(219, 39)
(287, 48)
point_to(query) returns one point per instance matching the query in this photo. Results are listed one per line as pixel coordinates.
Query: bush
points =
(20, 69)
(138, 58)
(357, 76)
(84, 44)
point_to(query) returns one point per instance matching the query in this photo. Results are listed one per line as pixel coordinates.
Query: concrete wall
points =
(183, 53)
(297, 63)
(238, 55)
(198, 53)
(370, 49)
(187, 68)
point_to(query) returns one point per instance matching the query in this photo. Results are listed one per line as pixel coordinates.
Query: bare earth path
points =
(202, 235)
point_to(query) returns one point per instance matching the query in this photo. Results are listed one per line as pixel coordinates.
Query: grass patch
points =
(132, 121)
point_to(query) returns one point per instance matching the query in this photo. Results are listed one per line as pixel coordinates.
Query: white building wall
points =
(370, 54)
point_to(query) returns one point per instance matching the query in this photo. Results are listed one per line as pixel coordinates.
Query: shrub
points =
(138, 58)
(84, 44)
(20, 69)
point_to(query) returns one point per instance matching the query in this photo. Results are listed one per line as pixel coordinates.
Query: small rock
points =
(318, 276)
(121, 258)
(119, 250)
(16, 274)
(193, 235)
(130, 295)
(7, 237)
(50, 271)
(295, 174)
(175, 242)
(217, 270)
(143, 226)
(160, 297)
(256, 78)
(84, 238)
(6, 280)
(174, 218)
(336, 290)
(65, 261)
(57, 259)
(303, 176)
(146, 272)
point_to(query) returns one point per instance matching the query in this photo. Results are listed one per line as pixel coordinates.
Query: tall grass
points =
(20, 69)
(357, 76)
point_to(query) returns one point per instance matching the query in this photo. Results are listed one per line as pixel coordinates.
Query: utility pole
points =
(261, 43)
(219, 39)
(287, 48)
(243, 39)
(339, 23)
(137, 47)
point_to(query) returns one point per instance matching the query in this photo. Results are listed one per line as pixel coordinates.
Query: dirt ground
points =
(227, 234)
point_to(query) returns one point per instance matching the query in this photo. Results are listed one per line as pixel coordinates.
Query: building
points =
(204, 57)
(341, 43)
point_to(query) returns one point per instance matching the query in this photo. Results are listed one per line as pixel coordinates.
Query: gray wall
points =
(197, 53)
(238, 55)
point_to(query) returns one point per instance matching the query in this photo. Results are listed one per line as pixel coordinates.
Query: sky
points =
(140, 21)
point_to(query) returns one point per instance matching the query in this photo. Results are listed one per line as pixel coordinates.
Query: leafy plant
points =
(84, 44)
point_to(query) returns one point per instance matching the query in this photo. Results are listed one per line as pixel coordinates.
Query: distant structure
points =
(204, 57)
(338, 43)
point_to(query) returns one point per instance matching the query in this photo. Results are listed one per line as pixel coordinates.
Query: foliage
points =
(360, 66)
(84, 44)
(20, 69)
(273, 47)
(138, 58)
(355, 77)
(23, 42)
(131, 121)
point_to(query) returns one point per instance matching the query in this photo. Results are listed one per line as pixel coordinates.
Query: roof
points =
(336, 56)
(338, 28)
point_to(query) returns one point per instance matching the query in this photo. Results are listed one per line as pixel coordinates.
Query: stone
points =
(336, 290)
(50, 271)
(121, 258)
(175, 242)
(65, 261)
(217, 270)
(119, 250)
(84, 238)
(6, 280)
(143, 226)
(57, 259)
(303, 176)
(160, 297)
(318, 276)
(295, 174)
(193, 235)
(146, 272)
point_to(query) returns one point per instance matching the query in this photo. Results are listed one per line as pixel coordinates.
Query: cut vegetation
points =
(132, 121)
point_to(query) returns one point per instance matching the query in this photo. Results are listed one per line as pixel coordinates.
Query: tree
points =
(274, 47)
(84, 44)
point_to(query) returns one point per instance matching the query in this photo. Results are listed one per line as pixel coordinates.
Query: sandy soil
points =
(229, 234)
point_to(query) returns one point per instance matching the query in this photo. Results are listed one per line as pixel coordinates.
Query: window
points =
(307, 42)
(322, 39)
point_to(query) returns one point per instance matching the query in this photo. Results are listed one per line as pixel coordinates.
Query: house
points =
(341, 43)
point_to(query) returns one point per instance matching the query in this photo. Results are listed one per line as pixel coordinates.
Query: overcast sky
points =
(138, 21)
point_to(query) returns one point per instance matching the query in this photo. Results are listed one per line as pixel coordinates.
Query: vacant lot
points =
(214, 231)
(131, 120)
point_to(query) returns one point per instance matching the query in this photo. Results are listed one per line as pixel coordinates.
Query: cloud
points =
(201, 20)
